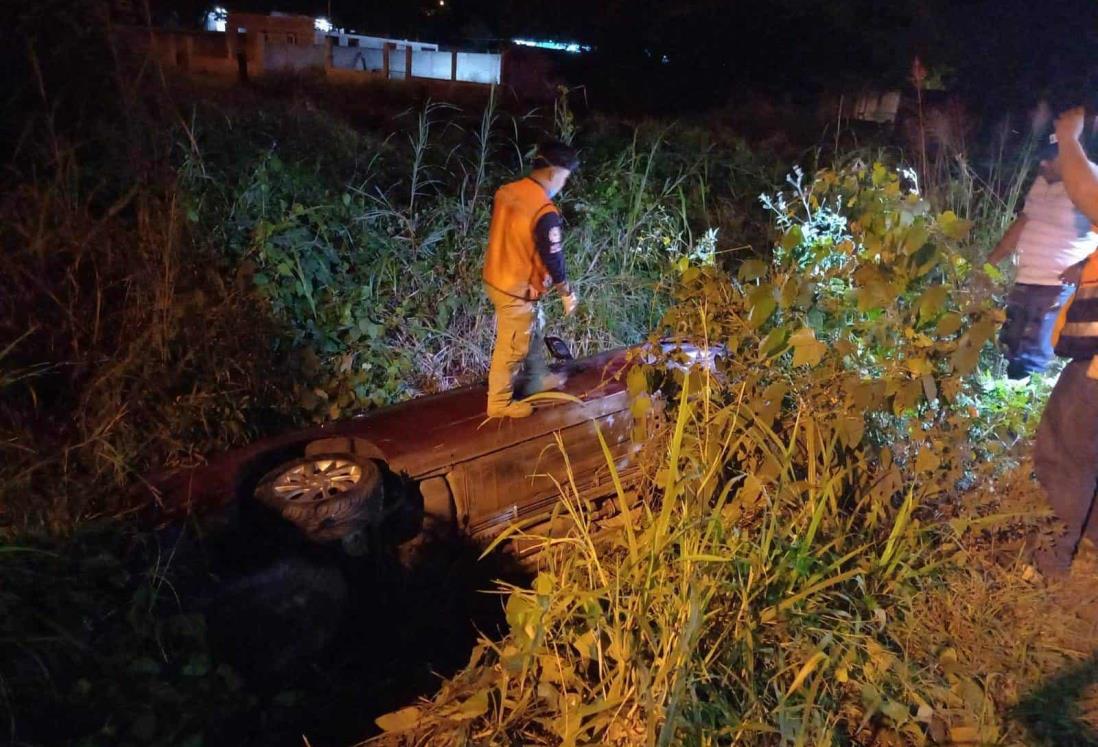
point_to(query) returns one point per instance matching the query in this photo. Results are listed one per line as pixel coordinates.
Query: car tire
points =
(326, 496)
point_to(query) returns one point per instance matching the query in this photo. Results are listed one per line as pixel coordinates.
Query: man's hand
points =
(1069, 125)
(1079, 174)
(570, 303)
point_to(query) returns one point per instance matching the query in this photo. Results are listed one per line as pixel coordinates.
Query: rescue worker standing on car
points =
(524, 260)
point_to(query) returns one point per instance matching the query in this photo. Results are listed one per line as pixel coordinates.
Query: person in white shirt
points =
(1050, 236)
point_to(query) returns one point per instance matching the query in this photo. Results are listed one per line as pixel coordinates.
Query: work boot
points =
(513, 409)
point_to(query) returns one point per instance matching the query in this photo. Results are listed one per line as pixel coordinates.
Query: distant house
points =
(254, 44)
(345, 39)
(276, 28)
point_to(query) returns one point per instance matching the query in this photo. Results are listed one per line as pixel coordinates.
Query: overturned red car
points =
(437, 458)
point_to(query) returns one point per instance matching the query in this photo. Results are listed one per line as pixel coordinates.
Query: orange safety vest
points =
(1076, 332)
(512, 263)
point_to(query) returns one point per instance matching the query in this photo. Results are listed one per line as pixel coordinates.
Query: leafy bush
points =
(260, 263)
(233, 271)
(184, 276)
(373, 257)
(790, 534)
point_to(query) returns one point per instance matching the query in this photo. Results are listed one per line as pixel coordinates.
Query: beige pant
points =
(518, 328)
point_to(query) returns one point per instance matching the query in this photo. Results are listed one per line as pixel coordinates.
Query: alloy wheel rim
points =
(317, 479)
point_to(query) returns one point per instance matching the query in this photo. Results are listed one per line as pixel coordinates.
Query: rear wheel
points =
(327, 496)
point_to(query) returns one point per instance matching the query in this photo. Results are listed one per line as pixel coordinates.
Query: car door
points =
(523, 480)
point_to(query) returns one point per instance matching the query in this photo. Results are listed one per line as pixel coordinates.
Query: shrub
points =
(790, 529)
(372, 258)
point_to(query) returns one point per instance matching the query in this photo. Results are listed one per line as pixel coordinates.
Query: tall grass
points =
(981, 182)
(737, 611)
(117, 341)
(238, 266)
(210, 271)
(373, 258)
(778, 576)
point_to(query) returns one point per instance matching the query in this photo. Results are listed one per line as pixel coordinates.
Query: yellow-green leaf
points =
(851, 430)
(791, 288)
(543, 584)
(587, 644)
(792, 237)
(476, 705)
(752, 269)
(931, 302)
(762, 305)
(927, 460)
(401, 720)
(802, 336)
(806, 670)
(809, 354)
(774, 342)
(916, 238)
(636, 381)
(949, 324)
(919, 366)
(953, 226)
(807, 350)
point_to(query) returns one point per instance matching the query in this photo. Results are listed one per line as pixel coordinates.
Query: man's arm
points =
(549, 239)
(1009, 243)
(1079, 174)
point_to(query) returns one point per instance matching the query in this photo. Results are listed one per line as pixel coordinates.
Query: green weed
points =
(772, 586)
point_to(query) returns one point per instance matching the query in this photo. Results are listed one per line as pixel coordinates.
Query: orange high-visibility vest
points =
(1076, 332)
(512, 263)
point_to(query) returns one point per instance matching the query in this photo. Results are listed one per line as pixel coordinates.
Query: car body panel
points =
(496, 469)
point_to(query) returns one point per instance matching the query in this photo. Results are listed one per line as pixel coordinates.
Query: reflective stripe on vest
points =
(1080, 329)
(512, 264)
(1076, 332)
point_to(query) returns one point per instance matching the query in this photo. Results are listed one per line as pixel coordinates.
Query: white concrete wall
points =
(472, 67)
(429, 64)
(357, 58)
(210, 53)
(476, 67)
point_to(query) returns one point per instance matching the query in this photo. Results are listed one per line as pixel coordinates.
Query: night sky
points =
(1002, 47)
(997, 54)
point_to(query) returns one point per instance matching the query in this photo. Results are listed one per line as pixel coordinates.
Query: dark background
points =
(996, 53)
(761, 66)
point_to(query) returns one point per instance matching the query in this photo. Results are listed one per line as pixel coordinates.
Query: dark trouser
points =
(1026, 335)
(1066, 457)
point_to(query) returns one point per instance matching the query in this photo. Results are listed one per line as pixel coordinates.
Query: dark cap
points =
(555, 153)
